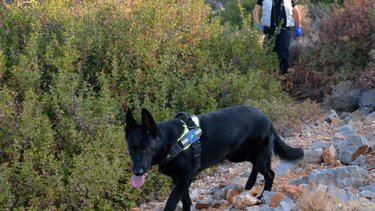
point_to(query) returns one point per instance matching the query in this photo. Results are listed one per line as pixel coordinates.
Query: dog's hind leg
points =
(186, 201)
(264, 167)
(252, 178)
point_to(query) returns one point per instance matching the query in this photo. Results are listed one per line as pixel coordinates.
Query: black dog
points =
(237, 134)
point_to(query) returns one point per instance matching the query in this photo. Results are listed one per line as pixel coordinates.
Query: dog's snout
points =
(138, 171)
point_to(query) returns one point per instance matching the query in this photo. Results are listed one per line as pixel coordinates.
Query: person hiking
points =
(277, 19)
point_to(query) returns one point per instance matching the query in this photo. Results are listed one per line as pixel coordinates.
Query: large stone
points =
(357, 116)
(313, 156)
(347, 130)
(351, 148)
(367, 101)
(283, 167)
(299, 181)
(359, 161)
(245, 199)
(320, 144)
(367, 194)
(371, 116)
(337, 139)
(344, 97)
(339, 177)
(339, 193)
(370, 187)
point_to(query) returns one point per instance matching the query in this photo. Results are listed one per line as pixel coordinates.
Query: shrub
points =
(342, 52)
(68, 71)
(236, 11)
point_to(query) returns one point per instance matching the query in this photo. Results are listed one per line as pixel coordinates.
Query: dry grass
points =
(318, 198)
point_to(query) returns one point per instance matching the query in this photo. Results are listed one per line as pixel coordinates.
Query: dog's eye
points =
(147, 149)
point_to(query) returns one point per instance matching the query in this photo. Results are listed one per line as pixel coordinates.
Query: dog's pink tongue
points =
(137, 181)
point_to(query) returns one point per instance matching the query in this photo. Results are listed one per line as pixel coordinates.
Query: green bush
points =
(68, 71)
(235, 11)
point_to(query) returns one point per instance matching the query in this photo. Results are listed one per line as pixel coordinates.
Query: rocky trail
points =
(337, 173)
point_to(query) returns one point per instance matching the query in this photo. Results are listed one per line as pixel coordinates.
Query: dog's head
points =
(142, 144)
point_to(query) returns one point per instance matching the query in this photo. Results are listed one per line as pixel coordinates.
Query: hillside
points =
(70, 70)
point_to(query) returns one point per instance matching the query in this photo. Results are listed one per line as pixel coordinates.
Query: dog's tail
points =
(284, 151)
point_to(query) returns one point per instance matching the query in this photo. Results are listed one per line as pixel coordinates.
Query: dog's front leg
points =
(180, 190)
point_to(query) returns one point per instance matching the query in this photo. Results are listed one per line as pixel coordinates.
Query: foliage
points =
(68, 71)
(236, 11)
(343, 52)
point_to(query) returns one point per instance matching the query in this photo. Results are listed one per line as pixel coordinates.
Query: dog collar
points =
(189, 136)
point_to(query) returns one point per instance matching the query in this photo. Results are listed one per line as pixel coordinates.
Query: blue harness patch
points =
(190, 137)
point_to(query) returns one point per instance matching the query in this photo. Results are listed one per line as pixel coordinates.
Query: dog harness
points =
(189, 137)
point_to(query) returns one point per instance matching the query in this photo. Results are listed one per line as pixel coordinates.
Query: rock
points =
(219, 203)
(367, 194)
(351, 148)
(196, 193)
(158, 207)
(292, 191)
(367, 101)
(231, 193)
(368, 187)
(299, 181)
(329, 155)
(220, 194)
(340, 177)
(341, 194)
(267, 196)
(285, 204)
(276, 199)
(313, 156)
(371, 116)
(343, 115)
(357, 116)
(370, 137)
(252, 208)
(355, 125)
(332, 117)
(337, 163)
(337, 139)
(245, 199)
(203, 204)
(283, 167)
(338, 193)
(359, 161)
(320, 144)
(344, 97)
(347, 130)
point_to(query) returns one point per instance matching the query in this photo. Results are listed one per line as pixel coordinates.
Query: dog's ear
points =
(130, 122)
(148, 122)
